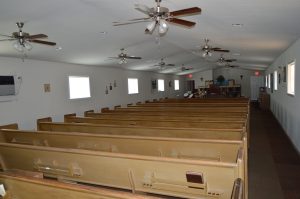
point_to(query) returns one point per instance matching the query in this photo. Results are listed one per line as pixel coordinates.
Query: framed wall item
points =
(284, 74)
(153, 84)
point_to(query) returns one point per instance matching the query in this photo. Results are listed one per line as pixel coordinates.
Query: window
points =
(266, 81)
(291, 78)
(269, 81)
(79, 87)
(133, 86)
(275, 80)
(176, 85)
(161, 85)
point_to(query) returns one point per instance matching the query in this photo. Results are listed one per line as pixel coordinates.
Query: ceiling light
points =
(28, 46)
(237, 24)
(58, 48)
(207, 53)
(150, 27)
(18, 46)
(163, 27)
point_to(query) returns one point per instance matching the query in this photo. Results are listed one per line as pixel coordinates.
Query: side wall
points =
(286, 108)
(32, 102)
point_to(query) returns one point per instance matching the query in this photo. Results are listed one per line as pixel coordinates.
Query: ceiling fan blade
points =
(230, 60)
(221, 50)
(43, 42)
(6, 35)
(143, 8)
(114, 57)
(37, 36)
(182, 22)
(170, 65)
(188, 11)
(8, 39)
(127, 23)
(133, 57)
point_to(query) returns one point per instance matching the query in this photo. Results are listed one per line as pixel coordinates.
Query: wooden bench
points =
(69, 118)
(137, 116)
(28, 186)
(202, 149)
(159, 175)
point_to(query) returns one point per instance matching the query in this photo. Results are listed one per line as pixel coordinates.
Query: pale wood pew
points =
(185, 109)
(25, 186)
(137, 116)
(212, 105)
(203, 149)
(160, 175)
(214, 100)
(188, 114)
(69, 118)
(46, 124)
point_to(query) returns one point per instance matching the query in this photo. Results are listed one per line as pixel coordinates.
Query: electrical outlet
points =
(47, 88)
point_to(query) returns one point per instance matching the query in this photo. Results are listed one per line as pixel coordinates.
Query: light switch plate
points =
(47, 88)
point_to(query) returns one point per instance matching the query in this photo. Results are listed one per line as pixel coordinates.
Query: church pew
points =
(217, 150)
(46, 124)
(69, 118)
(160, 175)
(24, 186)
(137, 116)
(188, 114)
(185, 109)
(213, 105)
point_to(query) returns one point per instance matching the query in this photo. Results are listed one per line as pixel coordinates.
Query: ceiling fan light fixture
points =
(163, 27)
(150, 27)
(28, 46)
(18, 46)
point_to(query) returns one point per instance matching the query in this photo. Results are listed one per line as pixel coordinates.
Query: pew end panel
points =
(10, 126)
(67, 116)
(87, 112)
(45, 119)
(104, 110)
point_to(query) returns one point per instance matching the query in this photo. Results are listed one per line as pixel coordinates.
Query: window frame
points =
(293, 65)
(158, 85)
(275, 80)
(176, 84)
(137, 86)
(89, 95)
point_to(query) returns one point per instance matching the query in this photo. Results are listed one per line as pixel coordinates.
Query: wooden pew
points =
(70, 118)
(29, 187)
(137, 116)
(212, 105)
(202, 149)
(159, 175)
(45, 124)
(185, 109)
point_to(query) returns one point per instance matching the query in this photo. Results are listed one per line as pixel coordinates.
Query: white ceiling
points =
(270, 26)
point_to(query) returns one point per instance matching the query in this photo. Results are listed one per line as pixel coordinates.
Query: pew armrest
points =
(237, 191)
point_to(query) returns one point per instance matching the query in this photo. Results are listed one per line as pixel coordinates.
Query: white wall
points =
(286, 108)
(33, 103)
(206, 75)
(235, 73)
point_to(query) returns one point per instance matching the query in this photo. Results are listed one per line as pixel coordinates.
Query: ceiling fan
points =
(185, 68)
(163, 64)
(207, 49)
(160, 16)
(23, 40)
(123, 57)
(222, 60)
(227, 65)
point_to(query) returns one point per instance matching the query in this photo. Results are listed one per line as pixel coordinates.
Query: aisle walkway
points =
(274, 165)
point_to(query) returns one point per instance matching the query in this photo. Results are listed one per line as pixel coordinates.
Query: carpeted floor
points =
(274, 164)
